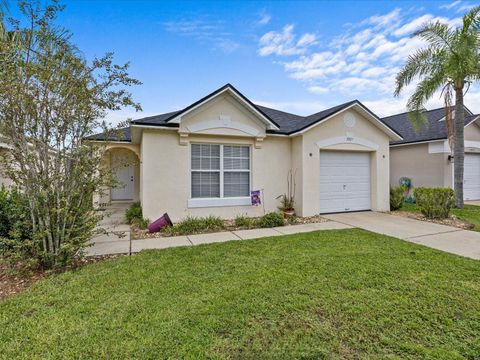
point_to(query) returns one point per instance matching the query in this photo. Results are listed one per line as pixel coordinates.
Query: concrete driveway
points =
(441, 237)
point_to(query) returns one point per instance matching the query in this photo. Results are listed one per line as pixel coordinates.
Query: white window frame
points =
(221, 201)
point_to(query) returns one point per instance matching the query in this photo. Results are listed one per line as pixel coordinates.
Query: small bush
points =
(435, 203)
(410, 199)
(16, 233)
(193, 225)
(271, 220)
(134, 213)
(141, 223)
(397, 197)
(243, 221)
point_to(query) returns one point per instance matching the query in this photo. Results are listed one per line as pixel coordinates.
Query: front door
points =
(122, 164)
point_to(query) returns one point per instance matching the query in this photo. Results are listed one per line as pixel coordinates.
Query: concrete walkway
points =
(117, 238)
(441, 237)
(113, 244)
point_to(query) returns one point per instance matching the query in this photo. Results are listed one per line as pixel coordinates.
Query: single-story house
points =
(4, 149)
(424, 154)
(207, 158)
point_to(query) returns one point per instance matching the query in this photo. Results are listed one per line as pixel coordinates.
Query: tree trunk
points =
(459, 146)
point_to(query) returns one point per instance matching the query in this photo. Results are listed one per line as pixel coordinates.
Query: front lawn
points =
(330, 294)
(469, 214)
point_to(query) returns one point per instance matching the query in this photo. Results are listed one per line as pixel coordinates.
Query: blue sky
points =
(296, 56)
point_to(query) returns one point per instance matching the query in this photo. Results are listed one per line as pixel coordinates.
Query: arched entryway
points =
(123, 160)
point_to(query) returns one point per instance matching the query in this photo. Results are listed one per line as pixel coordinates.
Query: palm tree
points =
(449, 63)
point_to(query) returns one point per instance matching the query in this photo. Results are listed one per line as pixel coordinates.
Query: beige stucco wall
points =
(472, 132)
(333, 128)
(166, 174)
(4, 179)
(414, 161)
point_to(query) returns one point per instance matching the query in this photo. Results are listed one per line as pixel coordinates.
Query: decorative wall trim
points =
(183, 139)
(223, 122)
(348, 139)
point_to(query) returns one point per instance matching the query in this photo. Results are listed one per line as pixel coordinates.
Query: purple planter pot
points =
(160, 223)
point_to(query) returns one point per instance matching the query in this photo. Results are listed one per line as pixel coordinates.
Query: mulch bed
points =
(452, 221)
(229, 225)
(13, 282)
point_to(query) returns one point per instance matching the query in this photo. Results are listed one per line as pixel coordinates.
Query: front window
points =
(220, 171)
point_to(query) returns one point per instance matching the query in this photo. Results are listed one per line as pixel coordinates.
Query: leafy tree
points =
(450, 62)
(51, 99)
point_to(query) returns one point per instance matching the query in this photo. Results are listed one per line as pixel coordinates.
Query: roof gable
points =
(271, 125)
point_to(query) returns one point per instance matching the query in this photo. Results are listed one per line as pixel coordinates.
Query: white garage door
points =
(471, 177)
(344, 181)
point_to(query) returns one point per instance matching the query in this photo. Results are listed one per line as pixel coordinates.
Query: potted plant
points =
(287, 201)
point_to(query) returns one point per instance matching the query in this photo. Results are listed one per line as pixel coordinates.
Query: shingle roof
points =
(287, 123)
(436, 129)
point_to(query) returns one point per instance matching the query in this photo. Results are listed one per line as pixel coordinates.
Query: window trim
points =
(222, 200)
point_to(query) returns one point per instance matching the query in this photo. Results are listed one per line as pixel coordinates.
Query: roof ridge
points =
(285, 112)
(332, 107)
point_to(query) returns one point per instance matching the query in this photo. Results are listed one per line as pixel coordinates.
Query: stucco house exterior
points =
(206, 159)
(424, 155)
(4, 149)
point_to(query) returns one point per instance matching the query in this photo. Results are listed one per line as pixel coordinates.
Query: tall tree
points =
(449, 63)
(51, 99)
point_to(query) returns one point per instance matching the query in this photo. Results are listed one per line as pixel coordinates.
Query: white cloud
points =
(318, 89)
(451, 5)
(374, 71)
(460, 6)
(384, 20)
(264, 19)
(282, 43)
(361, 61)
(413, 25)
(307, 39)
(213, 32)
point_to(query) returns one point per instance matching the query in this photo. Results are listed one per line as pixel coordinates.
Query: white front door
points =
(471, 177)
(122, 164)
(344, 181)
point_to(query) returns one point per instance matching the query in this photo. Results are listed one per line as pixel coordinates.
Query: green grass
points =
(469, 214)
(331, 294)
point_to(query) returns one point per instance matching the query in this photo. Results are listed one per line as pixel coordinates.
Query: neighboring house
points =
(206, 158)
(425, 155)
(4, 148)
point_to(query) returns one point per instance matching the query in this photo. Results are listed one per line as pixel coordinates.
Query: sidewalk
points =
(113, 244)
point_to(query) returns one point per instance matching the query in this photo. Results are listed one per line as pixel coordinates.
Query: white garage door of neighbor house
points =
(344, 181)
(471, 177)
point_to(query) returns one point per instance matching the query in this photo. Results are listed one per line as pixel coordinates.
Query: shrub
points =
(192, 225)
(397, 197)
(16, 232)
(134, 213)
(435, 203)
(141, 223)
(243, 221)
(271, 220)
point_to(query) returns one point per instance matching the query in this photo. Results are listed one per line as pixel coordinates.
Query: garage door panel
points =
(344, 181)
(471, 177)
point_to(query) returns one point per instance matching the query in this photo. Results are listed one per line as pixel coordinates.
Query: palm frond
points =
(472, 19)
(423, 62)
(437, 34)
(424, 91)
